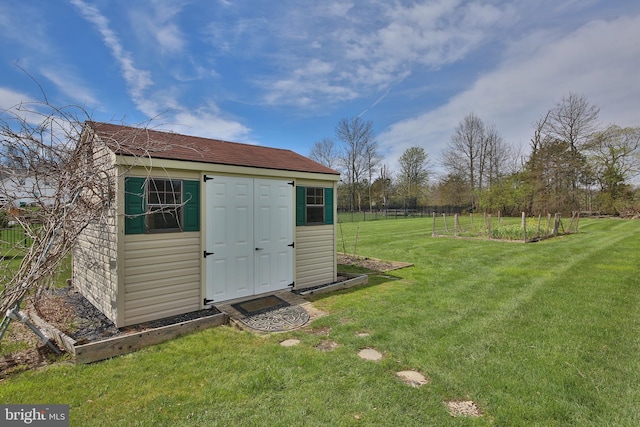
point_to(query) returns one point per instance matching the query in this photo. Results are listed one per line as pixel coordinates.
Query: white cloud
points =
(70, 85)
(137, 80)
(372, 46)
(306, 85)
(598, 60)
(203, 123)
(203, 120)
(10, 98)
(154, 24)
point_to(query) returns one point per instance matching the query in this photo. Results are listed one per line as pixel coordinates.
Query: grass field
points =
(541, 334)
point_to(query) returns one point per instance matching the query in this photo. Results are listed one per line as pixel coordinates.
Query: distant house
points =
(24, 189)
(197, 221)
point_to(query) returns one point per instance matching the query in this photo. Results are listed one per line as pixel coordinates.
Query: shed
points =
(194, 222)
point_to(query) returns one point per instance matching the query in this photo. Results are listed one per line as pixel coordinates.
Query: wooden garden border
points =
(126, 343)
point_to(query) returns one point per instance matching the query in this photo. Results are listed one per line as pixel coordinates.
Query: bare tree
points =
(381, 187)
(615, 155)
(46, 156)
(497, 154)
(574, 121)
(414, 171)
(358, 151)
(465, 155)
(325, 152)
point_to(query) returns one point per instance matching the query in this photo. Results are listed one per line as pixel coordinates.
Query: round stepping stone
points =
(413, 378)
(370, 354)
(290, 342)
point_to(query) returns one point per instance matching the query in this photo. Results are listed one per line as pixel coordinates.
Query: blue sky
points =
(283, 73)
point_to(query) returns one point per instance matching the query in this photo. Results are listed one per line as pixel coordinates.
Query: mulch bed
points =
(376, 265)
(70, 312)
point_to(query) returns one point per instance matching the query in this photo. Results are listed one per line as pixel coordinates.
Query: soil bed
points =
(375, 265)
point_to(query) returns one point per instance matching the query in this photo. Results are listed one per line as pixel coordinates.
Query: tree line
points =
(572, 163)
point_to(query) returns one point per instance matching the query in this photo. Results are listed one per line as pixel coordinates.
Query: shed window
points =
(161, 205)
(314, 205)
(164, 205)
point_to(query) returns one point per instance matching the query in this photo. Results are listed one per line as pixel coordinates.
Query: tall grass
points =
(543, 334)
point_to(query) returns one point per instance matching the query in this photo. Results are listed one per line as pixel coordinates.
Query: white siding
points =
(95, 253)
(95, 265)
(315, 256)
(161, 275)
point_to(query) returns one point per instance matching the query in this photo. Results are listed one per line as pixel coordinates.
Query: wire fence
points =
(391, 214)
(13, 242)
(524, 229)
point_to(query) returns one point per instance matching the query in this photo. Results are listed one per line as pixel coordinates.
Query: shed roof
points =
(132, 141)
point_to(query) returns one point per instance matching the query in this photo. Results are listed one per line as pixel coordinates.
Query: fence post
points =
(444, 217)
(433, 228)
(489, 226)
(524, 226)
(556, 224)
(455, 225)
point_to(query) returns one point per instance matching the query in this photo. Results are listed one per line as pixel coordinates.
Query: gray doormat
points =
(281, 319)
(260, 305)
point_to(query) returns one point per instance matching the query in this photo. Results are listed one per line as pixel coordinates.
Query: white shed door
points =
(249, 237)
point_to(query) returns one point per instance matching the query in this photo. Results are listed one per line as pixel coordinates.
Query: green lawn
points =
(541, 334)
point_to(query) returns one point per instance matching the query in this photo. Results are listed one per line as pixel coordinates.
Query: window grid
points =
(164, 204)
(315, 205)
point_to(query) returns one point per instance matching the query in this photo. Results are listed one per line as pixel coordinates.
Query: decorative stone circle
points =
(290, 342)
(463, 408)
(413, 378)
(370, 354)
(282, 319)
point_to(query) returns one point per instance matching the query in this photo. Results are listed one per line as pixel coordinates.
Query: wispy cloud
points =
(597, 60)
(162, 103)
(137, 80)
(372, 45)
(72, 86)
(154, 22)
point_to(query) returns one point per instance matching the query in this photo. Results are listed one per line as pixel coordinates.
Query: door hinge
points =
(292, 245)
(292, 284)
(207, 301)
(206, 254)
(207, 178)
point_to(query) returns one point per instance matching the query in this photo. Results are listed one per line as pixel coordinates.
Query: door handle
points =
(259, 249)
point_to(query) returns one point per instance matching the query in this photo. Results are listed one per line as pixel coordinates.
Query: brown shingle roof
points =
(131, 141)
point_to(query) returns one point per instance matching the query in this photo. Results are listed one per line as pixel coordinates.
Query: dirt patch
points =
(25, 360)
(22, 360)
(375, 265)
(319, 331)
(463, 408)
(327, 345)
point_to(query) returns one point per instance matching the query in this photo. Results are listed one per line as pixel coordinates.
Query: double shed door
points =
(249, 242)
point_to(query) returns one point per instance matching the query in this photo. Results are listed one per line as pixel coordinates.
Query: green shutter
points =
(191, 209)
(328, 205)
(134, 208)
(301, 205)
